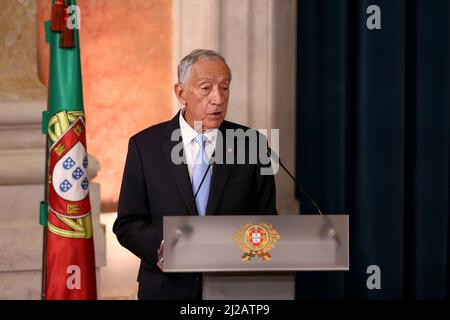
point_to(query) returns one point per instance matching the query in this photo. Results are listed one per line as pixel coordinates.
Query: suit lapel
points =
(179, 172)
(218, 179)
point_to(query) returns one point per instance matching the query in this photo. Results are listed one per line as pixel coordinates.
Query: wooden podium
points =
(254, 257)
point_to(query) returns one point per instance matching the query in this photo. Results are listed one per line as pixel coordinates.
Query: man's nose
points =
(216, 96)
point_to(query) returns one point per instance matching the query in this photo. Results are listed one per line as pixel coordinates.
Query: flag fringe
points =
(58, 16)
(66, 39)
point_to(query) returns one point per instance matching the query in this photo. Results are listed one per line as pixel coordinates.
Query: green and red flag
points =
(69, 260)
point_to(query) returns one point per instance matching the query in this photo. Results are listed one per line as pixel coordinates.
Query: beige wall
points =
(18, 64)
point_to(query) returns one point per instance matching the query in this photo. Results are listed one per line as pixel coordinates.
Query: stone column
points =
(258, 39)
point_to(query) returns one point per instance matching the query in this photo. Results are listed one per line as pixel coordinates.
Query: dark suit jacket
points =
(153, 186)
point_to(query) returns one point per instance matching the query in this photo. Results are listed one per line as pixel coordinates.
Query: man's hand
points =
(160, 262)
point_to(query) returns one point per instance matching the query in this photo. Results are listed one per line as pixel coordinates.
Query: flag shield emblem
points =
(70, 175)
(256, 237)
(69, 182)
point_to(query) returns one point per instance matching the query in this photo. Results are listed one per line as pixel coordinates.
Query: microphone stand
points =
(327, 227)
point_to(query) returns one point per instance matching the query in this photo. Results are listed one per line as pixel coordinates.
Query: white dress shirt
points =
(190, 147)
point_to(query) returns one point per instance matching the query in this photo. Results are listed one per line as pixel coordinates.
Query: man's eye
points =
(204, 88)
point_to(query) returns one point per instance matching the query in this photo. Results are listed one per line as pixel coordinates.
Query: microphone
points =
(211, 162)
(327, 227)
(185, 228)
(277, 158)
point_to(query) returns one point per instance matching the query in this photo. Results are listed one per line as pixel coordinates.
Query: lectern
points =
(254, 257)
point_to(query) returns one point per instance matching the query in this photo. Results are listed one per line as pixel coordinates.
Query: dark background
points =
(373, 114)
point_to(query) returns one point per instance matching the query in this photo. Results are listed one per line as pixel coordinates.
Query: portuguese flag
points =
(68, 260)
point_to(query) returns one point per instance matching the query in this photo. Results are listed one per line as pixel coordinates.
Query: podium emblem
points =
(256, 240)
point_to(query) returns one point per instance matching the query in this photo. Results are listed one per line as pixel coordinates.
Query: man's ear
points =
(180, 93)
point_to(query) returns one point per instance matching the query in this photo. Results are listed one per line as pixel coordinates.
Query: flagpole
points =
(44, 225)
(44, 255)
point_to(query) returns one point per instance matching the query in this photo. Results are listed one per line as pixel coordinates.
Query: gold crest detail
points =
(78, 129)
(256, 240)
(60, 148)
(80, 228)
(73, 208)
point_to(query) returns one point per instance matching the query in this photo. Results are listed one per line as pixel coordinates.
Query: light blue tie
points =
(199, 169)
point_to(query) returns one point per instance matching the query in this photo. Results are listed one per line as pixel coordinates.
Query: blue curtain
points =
(373, 128)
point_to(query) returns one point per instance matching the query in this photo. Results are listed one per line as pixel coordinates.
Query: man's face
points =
(206, 93)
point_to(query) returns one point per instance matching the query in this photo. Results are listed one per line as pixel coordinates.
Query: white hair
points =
(185, 66)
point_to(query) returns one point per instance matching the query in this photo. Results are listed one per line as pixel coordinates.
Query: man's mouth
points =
(217, 114)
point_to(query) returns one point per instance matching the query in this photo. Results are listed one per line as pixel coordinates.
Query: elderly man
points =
(155, 183)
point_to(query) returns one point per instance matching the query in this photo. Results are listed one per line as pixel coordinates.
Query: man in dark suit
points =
(167, 164)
